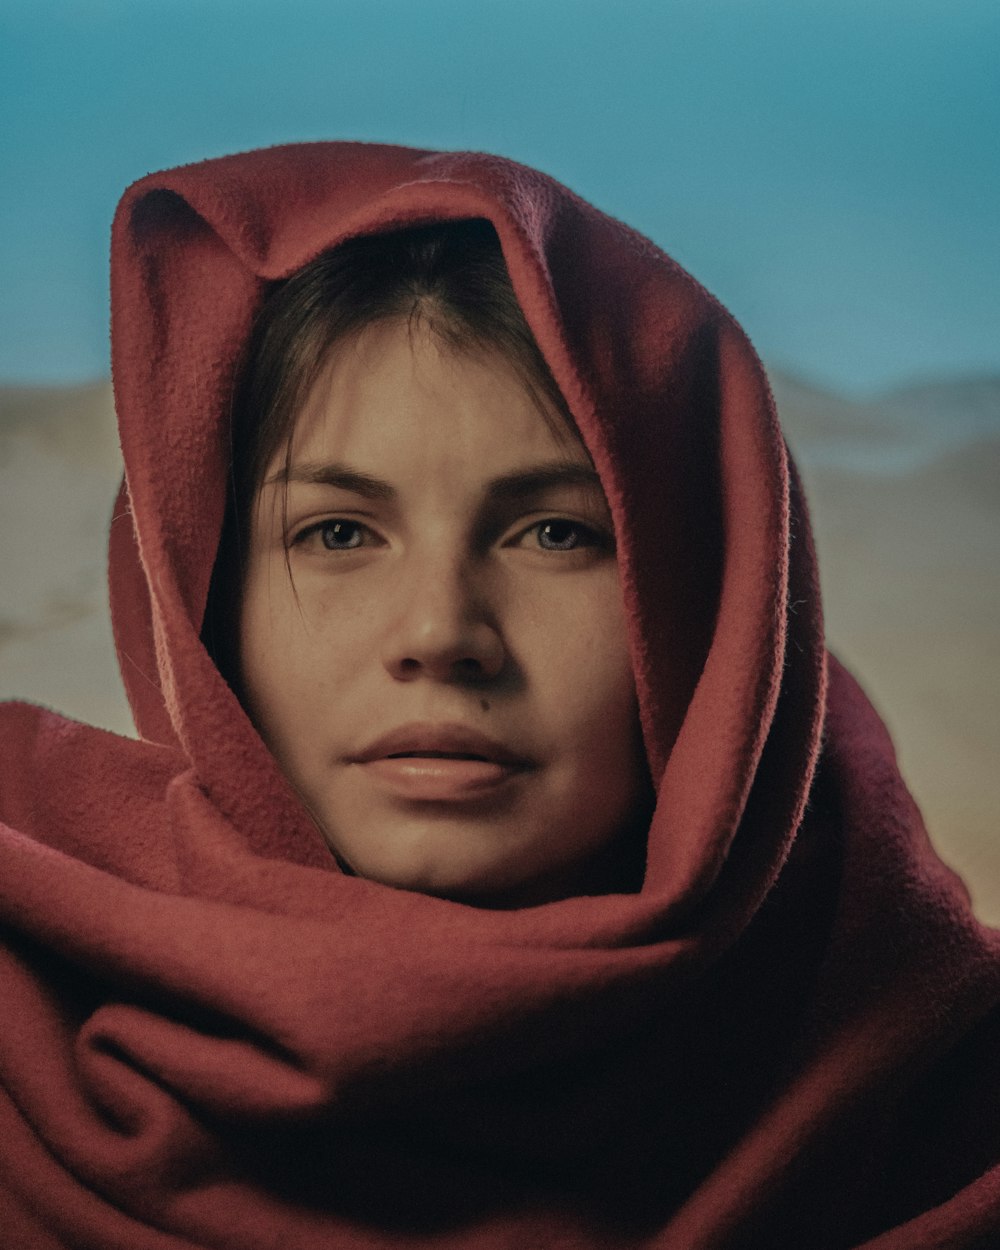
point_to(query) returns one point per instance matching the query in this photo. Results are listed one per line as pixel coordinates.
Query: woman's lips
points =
(438, 778)
(440, 763)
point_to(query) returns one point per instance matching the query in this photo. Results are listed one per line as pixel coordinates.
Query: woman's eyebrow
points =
(323, 473)
(518, 484)
(535, 479)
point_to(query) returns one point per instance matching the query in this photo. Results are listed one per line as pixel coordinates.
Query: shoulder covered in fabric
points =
(85, 791)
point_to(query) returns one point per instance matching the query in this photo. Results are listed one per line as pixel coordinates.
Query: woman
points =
(375, 938)
(399, 449)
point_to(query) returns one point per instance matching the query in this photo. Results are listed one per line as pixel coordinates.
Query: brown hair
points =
(450, 276)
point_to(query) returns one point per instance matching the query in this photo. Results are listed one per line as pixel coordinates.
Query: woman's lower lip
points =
(433, 778)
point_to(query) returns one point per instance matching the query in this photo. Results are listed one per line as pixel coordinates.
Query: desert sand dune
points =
(907, 518)
(59, 469)
(905, 495)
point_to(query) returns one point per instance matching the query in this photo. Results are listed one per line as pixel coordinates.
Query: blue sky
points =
(829, 168)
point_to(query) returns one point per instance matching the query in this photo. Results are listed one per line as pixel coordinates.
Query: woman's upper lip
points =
(425, 738)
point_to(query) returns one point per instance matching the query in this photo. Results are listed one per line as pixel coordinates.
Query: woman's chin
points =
(478, 885)
(499, 881)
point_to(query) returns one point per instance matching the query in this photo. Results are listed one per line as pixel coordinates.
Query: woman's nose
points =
(444, 628)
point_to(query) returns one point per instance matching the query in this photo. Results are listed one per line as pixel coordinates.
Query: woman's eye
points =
(335, 535)
(341, 535)
(562, 535)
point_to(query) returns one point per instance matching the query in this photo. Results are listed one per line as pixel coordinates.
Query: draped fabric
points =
(211, 1037)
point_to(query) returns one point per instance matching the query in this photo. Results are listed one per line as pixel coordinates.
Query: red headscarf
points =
(212, 1037)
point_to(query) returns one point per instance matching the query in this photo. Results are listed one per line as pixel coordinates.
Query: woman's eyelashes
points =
(336, 534)
(554, 534)
(563, 534)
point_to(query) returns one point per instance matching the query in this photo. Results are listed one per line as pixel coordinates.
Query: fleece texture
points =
(212, 1039)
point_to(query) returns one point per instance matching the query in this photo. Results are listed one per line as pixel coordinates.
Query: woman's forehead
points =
(396, 395)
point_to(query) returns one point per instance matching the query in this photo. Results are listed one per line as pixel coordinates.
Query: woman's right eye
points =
(334, 534)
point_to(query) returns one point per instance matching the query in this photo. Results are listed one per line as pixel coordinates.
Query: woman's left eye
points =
(558, 534)
(341, 535)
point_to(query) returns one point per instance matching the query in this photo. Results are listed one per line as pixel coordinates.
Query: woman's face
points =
(432, 638)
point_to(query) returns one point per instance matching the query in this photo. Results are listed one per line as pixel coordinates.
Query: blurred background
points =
(830, 169)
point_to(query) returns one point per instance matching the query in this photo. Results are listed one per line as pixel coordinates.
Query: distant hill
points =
(59, 470)
(76, 422)
(896, 431)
